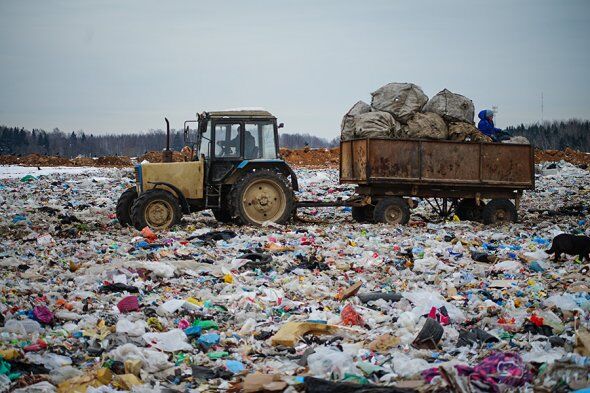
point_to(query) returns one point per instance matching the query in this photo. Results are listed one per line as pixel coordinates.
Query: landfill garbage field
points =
(323, 304)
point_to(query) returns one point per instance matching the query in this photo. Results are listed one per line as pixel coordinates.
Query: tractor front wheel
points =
(262, 196)
(157, 209)
(124, 206)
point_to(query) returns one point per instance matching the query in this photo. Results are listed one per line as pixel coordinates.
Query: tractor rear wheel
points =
(157, 209)
(261, 196)
(124, 206)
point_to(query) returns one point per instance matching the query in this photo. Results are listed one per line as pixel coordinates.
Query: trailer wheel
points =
(124, 204)
(157, 209)
(393, 210)
(498, 211)
(467, 210)
(261, 196)
(363, 213)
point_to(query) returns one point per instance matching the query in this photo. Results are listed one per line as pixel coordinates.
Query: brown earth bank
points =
(310, 158)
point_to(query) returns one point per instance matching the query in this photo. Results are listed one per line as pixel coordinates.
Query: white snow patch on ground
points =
(17, 172)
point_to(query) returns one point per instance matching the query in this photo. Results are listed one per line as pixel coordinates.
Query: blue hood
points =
(482, 114)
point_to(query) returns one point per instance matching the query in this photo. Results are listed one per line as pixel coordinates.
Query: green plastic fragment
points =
(217, 354)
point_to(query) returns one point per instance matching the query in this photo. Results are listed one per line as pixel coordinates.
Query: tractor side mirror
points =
(281, 125)
(186, 132)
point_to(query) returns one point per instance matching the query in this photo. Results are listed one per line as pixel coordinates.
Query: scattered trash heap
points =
(402, 110)
(321, 305)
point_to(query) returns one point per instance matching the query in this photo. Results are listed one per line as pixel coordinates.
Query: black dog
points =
(571, 245)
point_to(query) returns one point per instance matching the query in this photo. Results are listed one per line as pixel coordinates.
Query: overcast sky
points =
(115, 66)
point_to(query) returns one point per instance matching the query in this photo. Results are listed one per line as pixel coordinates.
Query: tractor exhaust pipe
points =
(167, 153)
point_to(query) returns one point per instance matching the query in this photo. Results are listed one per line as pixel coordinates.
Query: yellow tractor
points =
(234, 169)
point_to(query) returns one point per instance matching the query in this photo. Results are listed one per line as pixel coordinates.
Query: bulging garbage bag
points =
(426, 126)
(451, 106)
(348, 121)
(402, 100)
(376, 125)
(461, 132)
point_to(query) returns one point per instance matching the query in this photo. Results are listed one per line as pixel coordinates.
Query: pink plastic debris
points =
(128, 304)
(43, 314)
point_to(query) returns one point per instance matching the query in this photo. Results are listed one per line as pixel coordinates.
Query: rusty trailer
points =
(475, 181)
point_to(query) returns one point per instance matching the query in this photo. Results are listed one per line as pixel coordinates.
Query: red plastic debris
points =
(350, 317)
(538, 321)
(38, 346)
(128, 304)
(149, 235)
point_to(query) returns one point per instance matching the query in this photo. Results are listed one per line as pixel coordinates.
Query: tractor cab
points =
(234, 169)
(227, 139)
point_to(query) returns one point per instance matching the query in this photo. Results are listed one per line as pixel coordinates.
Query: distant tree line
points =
(18, 141)
(556, 135)
(296, 141)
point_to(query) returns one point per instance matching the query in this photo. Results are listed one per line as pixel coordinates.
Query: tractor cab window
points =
(227, 140)
(259, 141)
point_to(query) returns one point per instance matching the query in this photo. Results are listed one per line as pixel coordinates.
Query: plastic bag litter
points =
(451, 106)
(406, 366)
(566, 302)
(170, 341)
(424, 300)
(402, 100)
(153, 361)
(326, 361)
(133, 329)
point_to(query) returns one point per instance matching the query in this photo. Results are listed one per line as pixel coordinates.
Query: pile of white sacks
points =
(402, 110)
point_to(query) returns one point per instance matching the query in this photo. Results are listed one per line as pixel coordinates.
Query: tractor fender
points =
(181, 198)
(249, 165)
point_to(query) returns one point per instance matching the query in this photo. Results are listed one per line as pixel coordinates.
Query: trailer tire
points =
(363, 213)
(467, 210)
(499, 211)
(263, 195)
(393, 210)
(157, 209)
(124, 204)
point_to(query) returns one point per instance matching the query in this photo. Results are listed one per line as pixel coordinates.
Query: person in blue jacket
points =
(486, 126)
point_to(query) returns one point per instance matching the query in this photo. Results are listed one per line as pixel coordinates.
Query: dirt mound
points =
(39, 160)
(318, 158)
(569, 155)
(116, 161)
(84, 161)
(156, 156)
(8, 160)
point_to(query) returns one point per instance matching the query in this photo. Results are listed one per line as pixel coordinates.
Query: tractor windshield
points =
(259, 140)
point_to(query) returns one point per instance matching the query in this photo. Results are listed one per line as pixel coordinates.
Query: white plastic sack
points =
(402, 100)
(133, 329)
(152, 361)
(327, 361)
(424, 300)
(170, 341)
(406, 366)
(451, 106)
